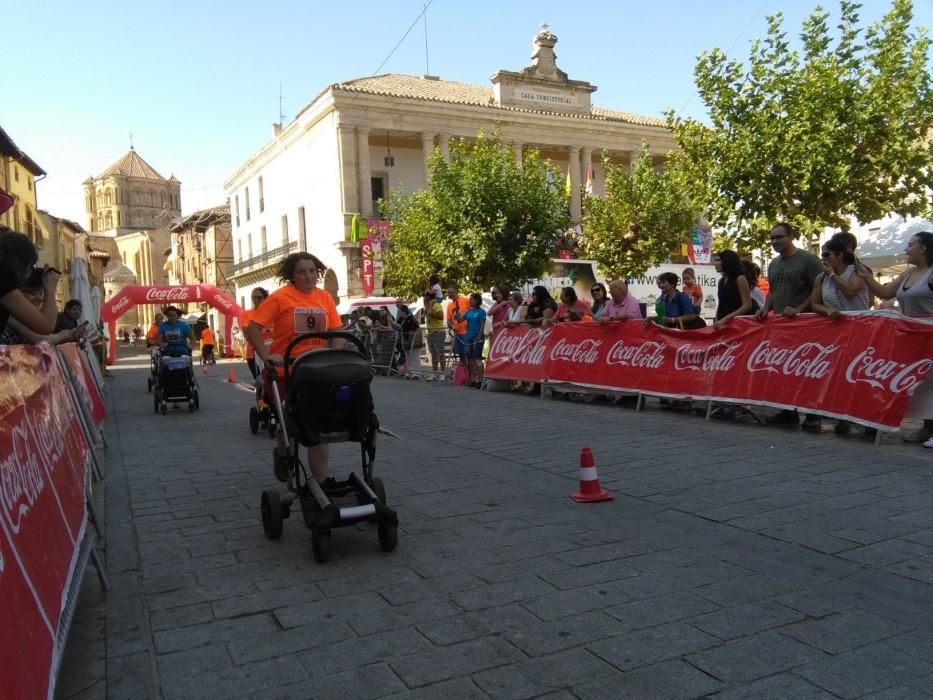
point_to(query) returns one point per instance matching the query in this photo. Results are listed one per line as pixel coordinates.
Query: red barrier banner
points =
(43, 462)
(85, 383)
(862, 367)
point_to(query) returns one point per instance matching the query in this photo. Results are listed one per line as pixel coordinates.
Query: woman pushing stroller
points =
(296, 308)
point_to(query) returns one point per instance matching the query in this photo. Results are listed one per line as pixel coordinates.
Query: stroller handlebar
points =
(319, 335)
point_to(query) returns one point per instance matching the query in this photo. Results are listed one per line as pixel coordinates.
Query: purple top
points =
(629, 307)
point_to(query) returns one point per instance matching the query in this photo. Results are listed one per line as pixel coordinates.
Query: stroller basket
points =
(328, 397)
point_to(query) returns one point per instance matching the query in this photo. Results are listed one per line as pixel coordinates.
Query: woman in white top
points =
(516, 308)
(838, 288)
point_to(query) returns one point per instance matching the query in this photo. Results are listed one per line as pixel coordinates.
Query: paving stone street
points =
(736, 561)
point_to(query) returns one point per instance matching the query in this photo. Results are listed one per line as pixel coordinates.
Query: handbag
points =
(461, 375)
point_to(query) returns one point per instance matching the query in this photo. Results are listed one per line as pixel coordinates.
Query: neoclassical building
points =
(130, 194)
(358, 140)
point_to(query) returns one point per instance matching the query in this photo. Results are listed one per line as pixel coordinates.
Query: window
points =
(246, 197)
(262, 201)
(236, 201)
(262, 240)
(302, 236)
(239, 250)
(284, 229)
(29, 183)
(16, 173)
(378, 186)
(249, 245)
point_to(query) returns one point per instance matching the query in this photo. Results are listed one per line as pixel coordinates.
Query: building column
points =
(518, 153)
(575, 206)
(587, 163)
(427, 146)
(365, 171)
(443, 142)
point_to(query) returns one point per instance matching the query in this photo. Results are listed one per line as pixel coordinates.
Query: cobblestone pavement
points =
(735, 561)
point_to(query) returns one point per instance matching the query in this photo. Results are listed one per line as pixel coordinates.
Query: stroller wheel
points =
(155, 404)
(149, 383)
(253, 420)
(320, 545)
(388, 536)
(271, 507)
(163, 407)
(272, 428)
(191, 406)
(379, 489)
(197, 401)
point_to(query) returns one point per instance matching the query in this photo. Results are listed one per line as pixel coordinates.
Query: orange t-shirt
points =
(290, 312)
(207, 337)
(266, 332)
(463, 304)
(695, 292)
(153, 332)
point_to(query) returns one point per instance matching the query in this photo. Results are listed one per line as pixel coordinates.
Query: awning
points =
(170, 261)
(886, 248)
(194, 318)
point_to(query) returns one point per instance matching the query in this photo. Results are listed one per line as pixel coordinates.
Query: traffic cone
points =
(231, 376)
(590, 490)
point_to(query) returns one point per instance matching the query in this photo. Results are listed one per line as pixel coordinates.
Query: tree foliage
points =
(840, 127)
(482, 219)
(645, 216)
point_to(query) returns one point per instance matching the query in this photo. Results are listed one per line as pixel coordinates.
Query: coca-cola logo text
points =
(120, 304)
(221, 300)
(585, 352)
(163, 294)
(878, 372)
(648, 354)
(526, 348)
(810, 360)
(718, 357)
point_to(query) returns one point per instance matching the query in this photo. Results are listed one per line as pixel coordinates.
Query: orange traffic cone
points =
(590, 490)
(231, 376)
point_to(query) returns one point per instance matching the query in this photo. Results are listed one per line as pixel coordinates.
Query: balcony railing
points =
(270, 256)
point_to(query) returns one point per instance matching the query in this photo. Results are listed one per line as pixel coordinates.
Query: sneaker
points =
(812, 423)
(429, 378)
(928, 443)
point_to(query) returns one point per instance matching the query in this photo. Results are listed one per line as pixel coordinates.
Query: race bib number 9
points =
(310, 320)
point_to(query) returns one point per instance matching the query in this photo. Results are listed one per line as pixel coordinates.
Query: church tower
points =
(130, 194)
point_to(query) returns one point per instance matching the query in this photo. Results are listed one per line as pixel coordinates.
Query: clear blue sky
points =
(197, 82)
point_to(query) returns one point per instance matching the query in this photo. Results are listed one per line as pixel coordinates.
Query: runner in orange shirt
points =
(208, 341)
(258, 295)
(296, 308)
(153, 333)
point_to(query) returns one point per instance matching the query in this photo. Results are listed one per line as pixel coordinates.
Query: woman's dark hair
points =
(502, 289)
(603, 298)
(434, 279)
(476, 298)
(262, 291)
(669, 277)
(403, 309)
(17, 255)
(752, 272)
(837, 245)
(540, 294)
(731, 264)
(848, 240)
(570, 293)
(33, 281)
(171, 308)
(71, 303)
(286, 271)
(926, 240)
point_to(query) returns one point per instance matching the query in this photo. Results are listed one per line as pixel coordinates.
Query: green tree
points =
(482, 219)
(838, 128)
(645, 216)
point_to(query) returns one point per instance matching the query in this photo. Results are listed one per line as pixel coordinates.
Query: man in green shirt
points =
(790, 276)
(434, 315)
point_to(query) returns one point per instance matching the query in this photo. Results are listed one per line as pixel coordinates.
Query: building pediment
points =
(542, 85)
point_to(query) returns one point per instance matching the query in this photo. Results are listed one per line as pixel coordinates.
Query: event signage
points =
(863, 367)
(133, 294)
(43, 463)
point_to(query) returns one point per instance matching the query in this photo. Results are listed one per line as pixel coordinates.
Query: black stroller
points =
(175, 383)
(262, 415)
(327, 399)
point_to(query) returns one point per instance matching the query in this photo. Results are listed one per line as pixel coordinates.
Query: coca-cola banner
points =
(43, 462)
(86, 389)
(862, 367)
(132, 295)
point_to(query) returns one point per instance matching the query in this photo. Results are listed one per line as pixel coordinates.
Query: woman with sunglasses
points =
(838, 288)
(600, 297)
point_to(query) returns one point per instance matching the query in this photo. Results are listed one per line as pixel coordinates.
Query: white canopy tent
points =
(884, 251)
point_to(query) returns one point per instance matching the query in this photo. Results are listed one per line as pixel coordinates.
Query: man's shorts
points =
(436, 343)
(460, 345)
(474, 349)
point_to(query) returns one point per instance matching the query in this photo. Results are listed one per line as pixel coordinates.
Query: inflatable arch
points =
(134, 294)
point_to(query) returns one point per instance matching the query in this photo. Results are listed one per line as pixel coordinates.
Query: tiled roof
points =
(132, 165)
(451, 92)
(9, 148)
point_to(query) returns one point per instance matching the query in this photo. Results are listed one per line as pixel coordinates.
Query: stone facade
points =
(131, 194)
(359, 140)
(202, 252)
